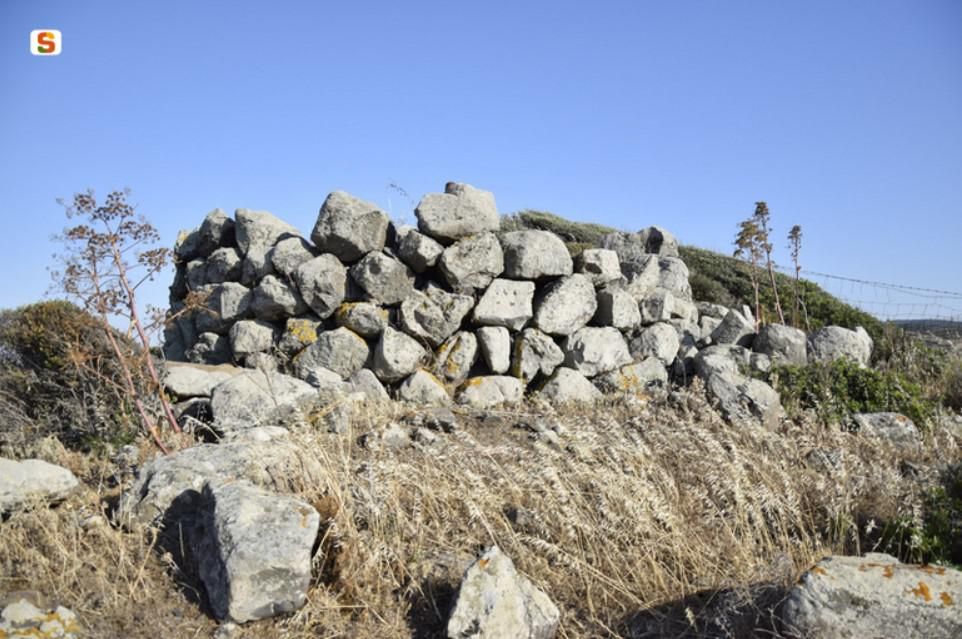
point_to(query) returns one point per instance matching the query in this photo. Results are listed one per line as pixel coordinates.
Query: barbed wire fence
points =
(933, 310)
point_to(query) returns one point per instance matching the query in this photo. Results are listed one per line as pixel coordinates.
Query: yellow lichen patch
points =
(946, 599)
(302, 330)
(889, 571)
(922, 591)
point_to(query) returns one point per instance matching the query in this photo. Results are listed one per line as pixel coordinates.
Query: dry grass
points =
(634, 506)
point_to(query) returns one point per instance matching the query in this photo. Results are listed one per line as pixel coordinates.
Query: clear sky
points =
(845, 116)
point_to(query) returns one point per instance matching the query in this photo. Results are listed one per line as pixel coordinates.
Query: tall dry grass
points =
(628, 507)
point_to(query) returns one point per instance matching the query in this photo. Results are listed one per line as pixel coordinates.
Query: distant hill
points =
(943, 328)
(714, 277)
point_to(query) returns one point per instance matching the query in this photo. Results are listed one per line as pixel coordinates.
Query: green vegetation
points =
(837, 390)
(58, 377)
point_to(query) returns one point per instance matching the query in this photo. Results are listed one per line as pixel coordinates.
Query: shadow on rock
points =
(180, 525)
(738, 613)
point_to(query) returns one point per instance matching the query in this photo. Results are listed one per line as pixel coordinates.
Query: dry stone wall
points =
(458, 310)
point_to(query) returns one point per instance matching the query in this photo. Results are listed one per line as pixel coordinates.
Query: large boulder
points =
(897, 429)
(535, 353)
(490, 390)
(834, 342)
(225, 304)
(471, 263)
(495, 601)
(640, 377)
(185, 381)
(455, 357)
(364, 318)
(288, 254)
(417, 250)
(245, 400)
(396, 356)
(460, 211)
(592, 350)
(601, 266)
(565, 305)
(535, 255)
(386, 279)
(434, 315)
(658, 340)
(341, 350)
(874, 596)
(31, 481)
(258, 231)
(653, 240)
(223, 265)
(251, 336)
(616, 307)
(423, 388)
(168, 487)
(349, 227)
(216, 231)
(568, 385)
(735, 328)
(275, 299)
(505, 303)
(322, 282)
(495, 344)
(784, 344)
(254, 549)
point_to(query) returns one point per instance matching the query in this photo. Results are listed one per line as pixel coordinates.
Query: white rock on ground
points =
(349, 227)
(460, 211)
(423, 388)
(834, 342)
(495, 601)
(568, 385)
(640, 377)
(266, 456)
(595, 350)
(22, 619)
(535, 255)
(487, 391)
(495, 344)
(244, 400)
(874, 596)
(565, 305)
(33, 481)
(505, 303)
(254, 549)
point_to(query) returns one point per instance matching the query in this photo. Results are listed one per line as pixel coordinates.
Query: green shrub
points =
(837, 390)
(58, 376)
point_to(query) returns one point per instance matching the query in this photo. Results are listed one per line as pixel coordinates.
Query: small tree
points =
(762, 217)
(748, 249)
(795, 247)
(107, 258)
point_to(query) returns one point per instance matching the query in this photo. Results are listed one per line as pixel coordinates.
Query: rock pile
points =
(457, 310)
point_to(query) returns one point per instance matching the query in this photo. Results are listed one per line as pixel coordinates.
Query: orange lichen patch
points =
(922, 591)
(818, 570)
(482, 563)
(889, 571)
(932, 570)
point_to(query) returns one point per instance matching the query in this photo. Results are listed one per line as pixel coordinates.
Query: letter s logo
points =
(45, 42)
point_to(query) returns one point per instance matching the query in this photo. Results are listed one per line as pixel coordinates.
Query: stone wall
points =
(453, 310)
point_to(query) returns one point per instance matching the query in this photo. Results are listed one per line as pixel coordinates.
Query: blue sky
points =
(845, 116)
